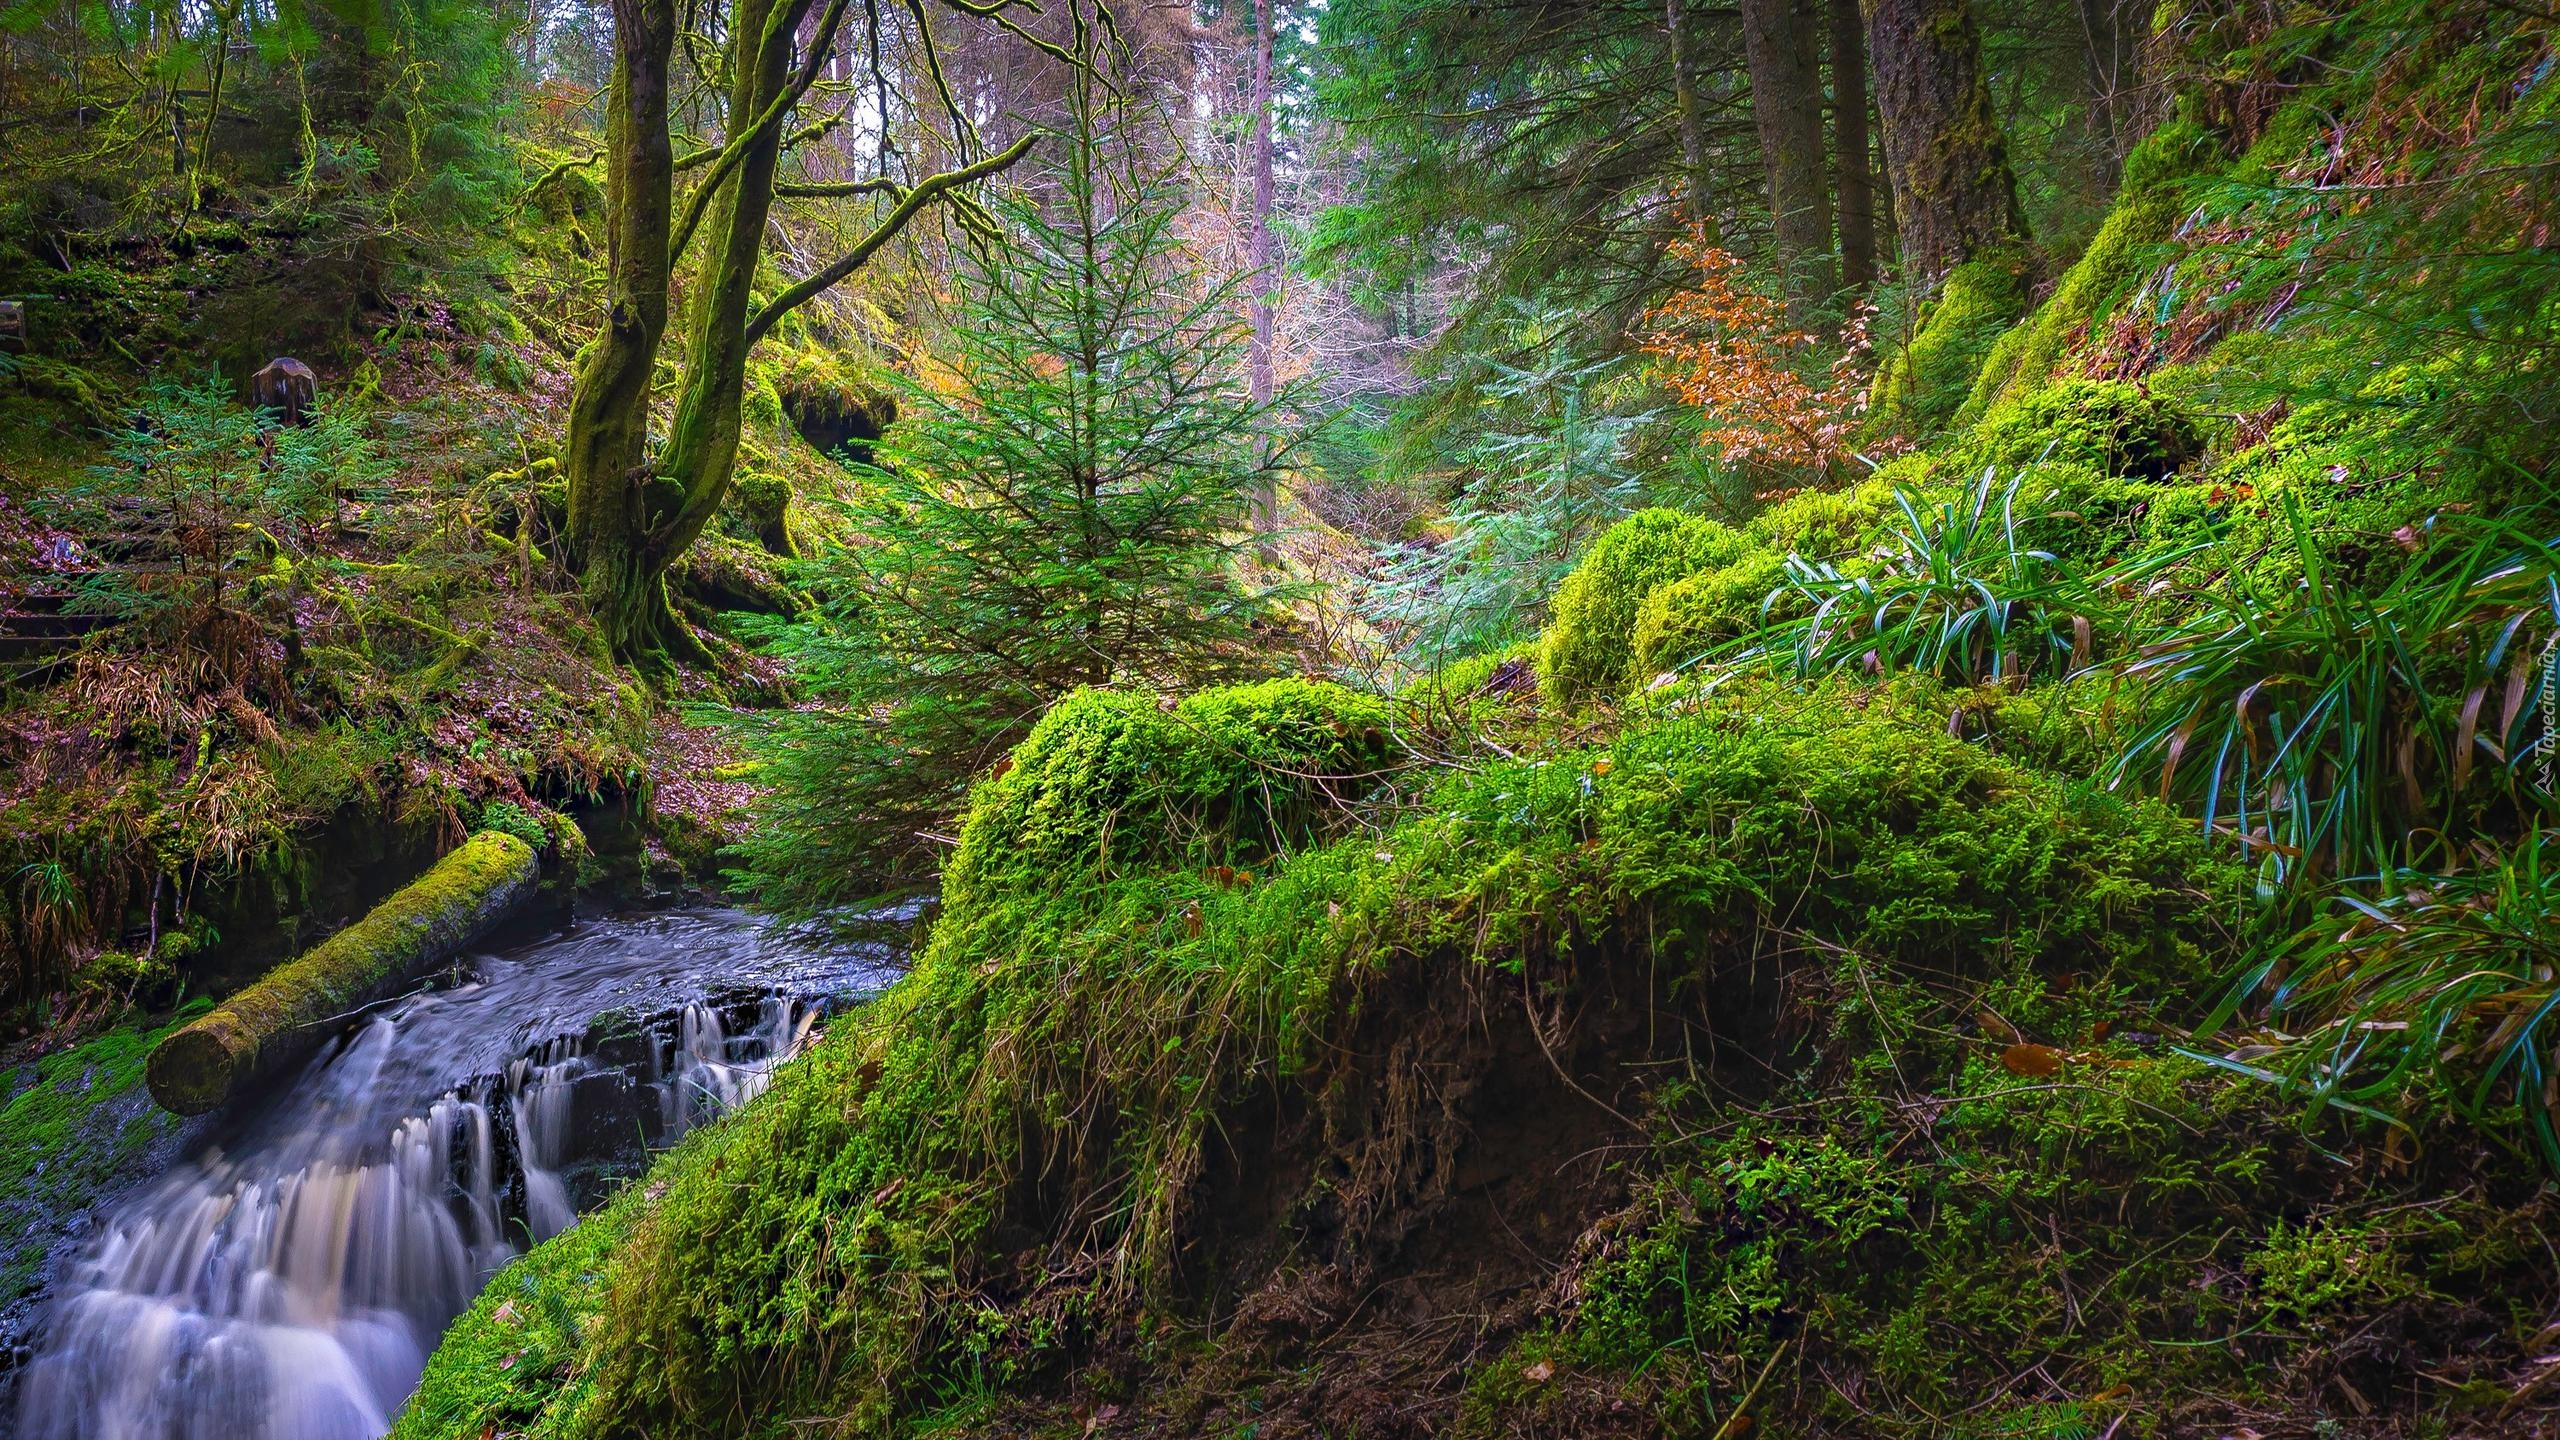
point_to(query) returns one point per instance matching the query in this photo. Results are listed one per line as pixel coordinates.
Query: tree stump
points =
(287, 387)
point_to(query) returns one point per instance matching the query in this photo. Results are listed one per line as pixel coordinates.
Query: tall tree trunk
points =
(1849, 146)
(1693, 128)
(1953, 194)
(1780, 46)
(605, 455)
(1258, 359)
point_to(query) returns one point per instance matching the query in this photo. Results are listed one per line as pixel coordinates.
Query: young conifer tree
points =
(1070, 505)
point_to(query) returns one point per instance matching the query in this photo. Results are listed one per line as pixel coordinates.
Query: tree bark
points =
(1779, 45)
(605, 455)
(1850, 143)
(702, 440)
(286, 1015)
(1258, 358)
(1953, 193)
(1693, 129)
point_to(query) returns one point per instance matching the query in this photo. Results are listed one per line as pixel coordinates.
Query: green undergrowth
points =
(1875, 980)
(517, 1352)
(1584, 650)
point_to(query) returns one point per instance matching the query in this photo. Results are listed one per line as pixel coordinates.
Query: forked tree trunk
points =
(1953, 194)
(1850, 142)
(702, 440)
(631, 518)
(1780, 44)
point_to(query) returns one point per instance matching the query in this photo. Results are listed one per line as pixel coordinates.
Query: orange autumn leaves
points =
(1732, 352)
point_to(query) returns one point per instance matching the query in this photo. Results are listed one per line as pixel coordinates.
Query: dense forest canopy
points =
(1485, 717)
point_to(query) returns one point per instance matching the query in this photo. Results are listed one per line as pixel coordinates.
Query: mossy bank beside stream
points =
(1791, 1040)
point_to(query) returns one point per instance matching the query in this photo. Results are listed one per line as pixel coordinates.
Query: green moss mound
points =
(1921, 386)
(1040, 1128)
(1822, 524)
(1585, 652)
(1109, 779)
(1703, 612)
(2113, 427)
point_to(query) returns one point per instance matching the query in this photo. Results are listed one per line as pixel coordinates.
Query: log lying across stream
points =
(282, 1017)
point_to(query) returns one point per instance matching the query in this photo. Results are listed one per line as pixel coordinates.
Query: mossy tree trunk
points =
(633, 514)
(605, 456)
(1954, 196)
(286, 1015)
(1781, 44)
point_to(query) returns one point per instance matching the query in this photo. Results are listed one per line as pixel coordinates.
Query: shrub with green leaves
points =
(1951, 592)
(2334, 730)
(235, 498)
(2420, 991)
(1558, 471)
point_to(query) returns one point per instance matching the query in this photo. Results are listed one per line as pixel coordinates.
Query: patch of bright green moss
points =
(1823, 524)
(2115, 428)
(72, 1130)
(1689, 617)
(1585, 651)
(2146, 214)
(1921, 386)
(515, 1357)
(1110, 779)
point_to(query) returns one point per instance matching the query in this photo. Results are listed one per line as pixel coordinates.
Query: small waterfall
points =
(293, 1296)
(541, 1091)
(289, 1285)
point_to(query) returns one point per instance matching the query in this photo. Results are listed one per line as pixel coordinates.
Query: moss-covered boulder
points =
(1825, 524)
(283, 1017)
(1689, 617)
(2113, 427)
(1585, 652)
(762, 502)
(1110, 778)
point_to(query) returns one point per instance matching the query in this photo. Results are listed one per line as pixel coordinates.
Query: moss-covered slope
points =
(1802, 1028)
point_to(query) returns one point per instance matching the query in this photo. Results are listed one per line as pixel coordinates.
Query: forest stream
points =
(289, 1277)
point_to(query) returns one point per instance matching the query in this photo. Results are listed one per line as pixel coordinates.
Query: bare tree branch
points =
(925, 193)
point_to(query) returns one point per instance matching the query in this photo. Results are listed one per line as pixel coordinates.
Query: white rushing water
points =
(288, 1282)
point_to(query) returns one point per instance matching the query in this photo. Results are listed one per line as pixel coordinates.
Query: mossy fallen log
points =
(280, 1018)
